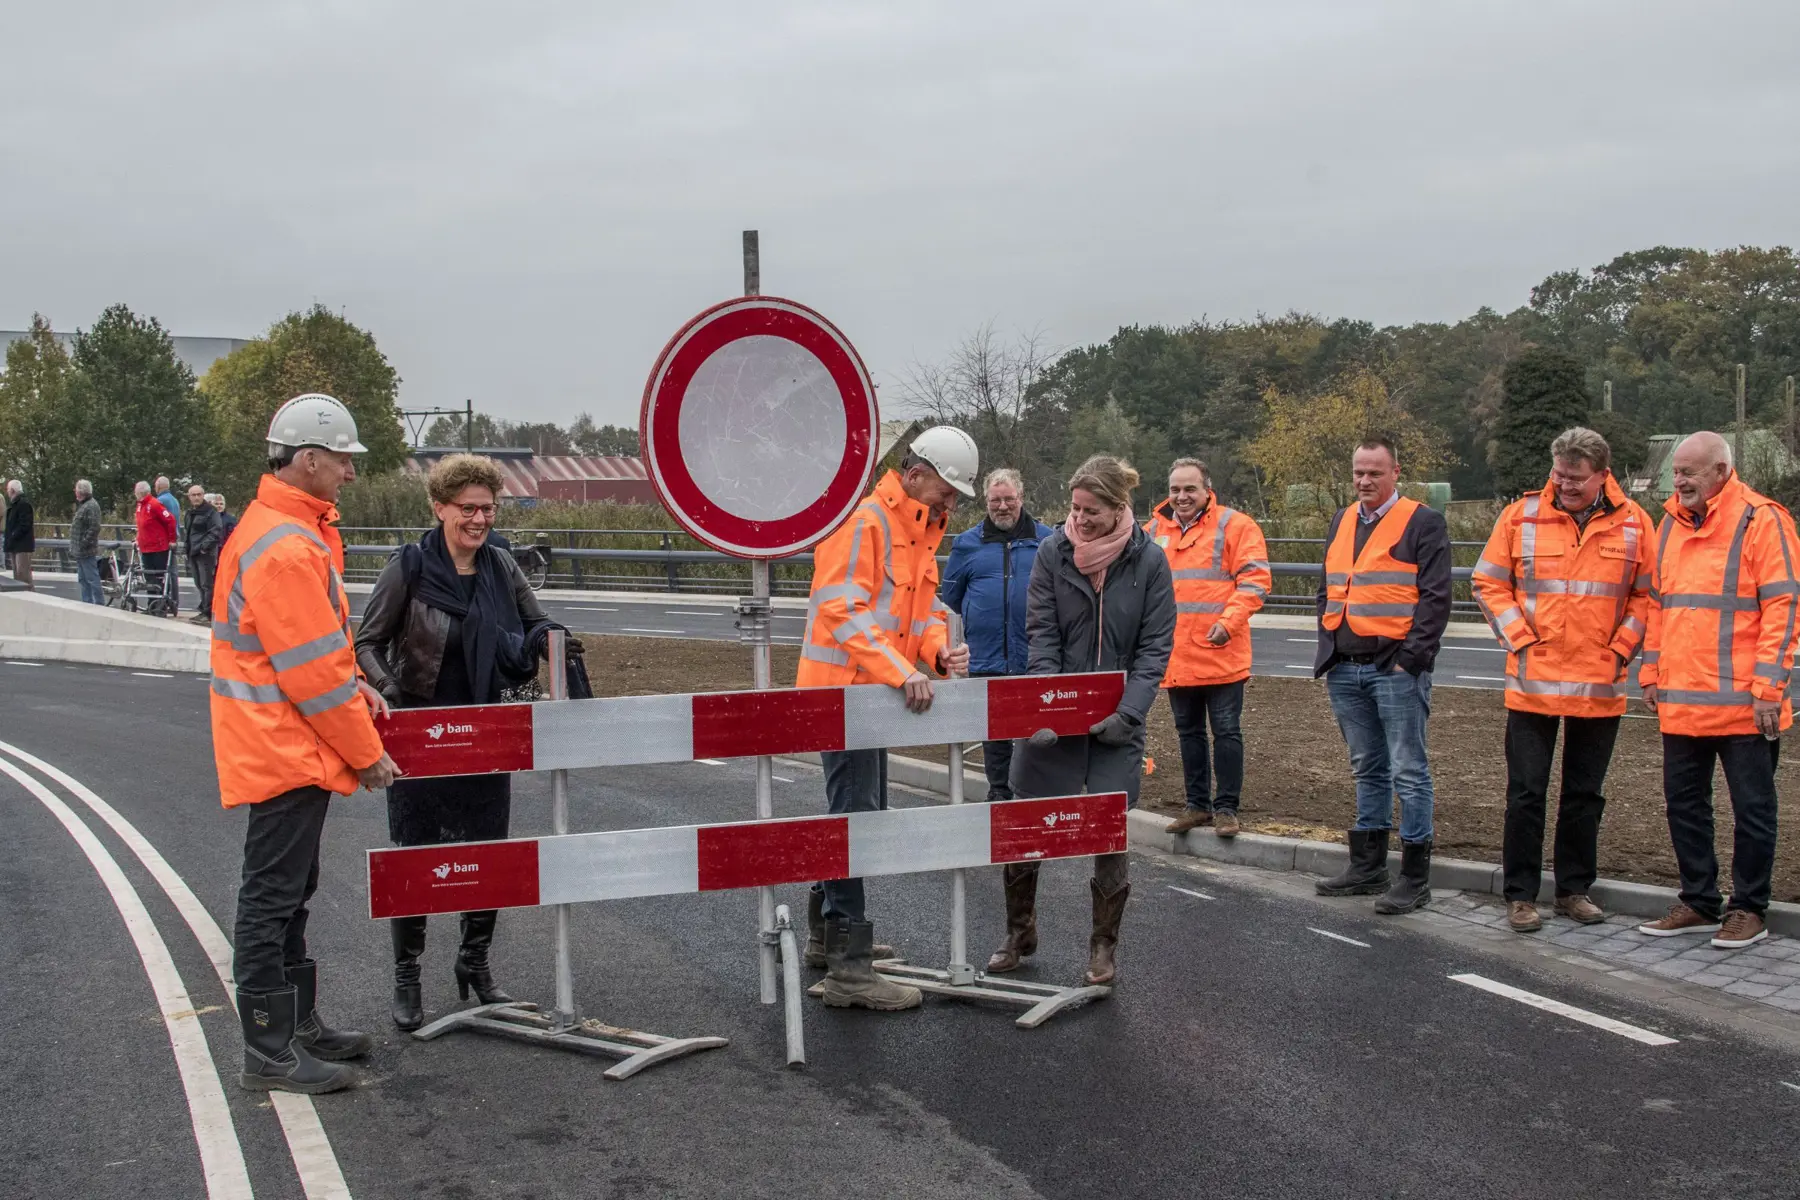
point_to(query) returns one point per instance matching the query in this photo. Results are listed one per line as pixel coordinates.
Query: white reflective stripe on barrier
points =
(614, 732)
(873, 714)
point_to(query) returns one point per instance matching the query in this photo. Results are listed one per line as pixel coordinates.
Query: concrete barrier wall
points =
(52, 629)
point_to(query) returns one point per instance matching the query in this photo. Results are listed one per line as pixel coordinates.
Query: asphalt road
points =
(1462, 662)
(1246, 1052)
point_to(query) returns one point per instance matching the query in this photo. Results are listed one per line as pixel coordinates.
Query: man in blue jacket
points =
(985, 582)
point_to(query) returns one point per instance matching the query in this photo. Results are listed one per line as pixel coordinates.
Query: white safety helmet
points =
(315, 419)
(952, 454)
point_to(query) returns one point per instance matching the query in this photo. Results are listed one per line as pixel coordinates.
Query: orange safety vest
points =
(286, 712)
(1722, 613)
(1374, 590)
(874, 615)
(1221, 569)
(1564, 600)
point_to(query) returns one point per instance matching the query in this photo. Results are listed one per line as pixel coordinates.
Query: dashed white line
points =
(1636, 1034)
(628, 629)
(1484, 678)
(1305, 641)
(698, 612)
(781, 779)
(14, 663)
(1784, 1083)
(1298, 666)
(1338, 937)
(153, 674)
(1191, 892)
(585, 608)
(314, 1160)
(221, 1155)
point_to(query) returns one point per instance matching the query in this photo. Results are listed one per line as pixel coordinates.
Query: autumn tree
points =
(40, 437)
(133, 407)
(1309, 438)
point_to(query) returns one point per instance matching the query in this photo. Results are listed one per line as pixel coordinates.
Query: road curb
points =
(1149, 830)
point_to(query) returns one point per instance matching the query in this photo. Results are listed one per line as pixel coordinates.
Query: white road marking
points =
(1191, 892)
(585, 608)
(1311, 641)
(698, 612)
(1484, 678)
(221, 1155)
(1474, 649)
(711, 762)
(314, 1160)
(1338, 937)
(628, 629)
(1784, 1083)
(15, 663)
(1298, 666)
(153, 674)
(1582, 1015)
(781, 779)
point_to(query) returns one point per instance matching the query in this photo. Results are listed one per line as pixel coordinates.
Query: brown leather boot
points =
(1193, 818)
(1021, 881)
(1109, 909)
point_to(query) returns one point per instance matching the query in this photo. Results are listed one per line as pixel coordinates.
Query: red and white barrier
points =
(636, 730)
(573, 868)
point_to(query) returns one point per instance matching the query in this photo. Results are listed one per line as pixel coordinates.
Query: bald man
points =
(1718, 653)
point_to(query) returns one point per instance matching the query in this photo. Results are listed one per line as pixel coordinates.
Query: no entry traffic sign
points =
(759, 427)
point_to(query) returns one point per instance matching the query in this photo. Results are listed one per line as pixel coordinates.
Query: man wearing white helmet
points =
(875, 618)
(293, 724)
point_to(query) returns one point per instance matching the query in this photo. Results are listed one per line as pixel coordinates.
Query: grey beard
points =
(1005, 526)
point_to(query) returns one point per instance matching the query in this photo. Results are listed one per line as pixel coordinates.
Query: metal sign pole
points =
(761, 670)
(564, 1016)
(960, 971)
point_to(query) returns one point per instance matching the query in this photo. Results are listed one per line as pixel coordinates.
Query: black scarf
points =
(1024, 527)
(493, 636)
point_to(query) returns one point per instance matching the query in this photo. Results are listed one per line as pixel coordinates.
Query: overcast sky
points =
(523, 201)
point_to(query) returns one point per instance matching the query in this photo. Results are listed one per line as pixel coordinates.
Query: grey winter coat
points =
(84, 529)
(1136, 635)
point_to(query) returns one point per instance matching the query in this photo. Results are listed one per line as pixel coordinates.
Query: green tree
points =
(610, 440)
(448, 431)
(313, 351)
(134, 406)
(1545, 393)
(40, 440)
(1630, 444)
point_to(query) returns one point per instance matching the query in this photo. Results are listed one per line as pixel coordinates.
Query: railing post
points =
(669, 565)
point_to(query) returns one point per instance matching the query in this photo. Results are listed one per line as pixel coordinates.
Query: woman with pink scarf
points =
(1101, 599)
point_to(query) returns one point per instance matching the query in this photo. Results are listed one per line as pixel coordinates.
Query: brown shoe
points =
(1225, 824)
(1741, 929)
(1193, 818)
(1580, 909)
(1681, 919)
(1522, 917)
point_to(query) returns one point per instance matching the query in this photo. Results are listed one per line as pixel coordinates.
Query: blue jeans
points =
(87, 572)
(1222, 706)
(1382, 715)
(855, 781)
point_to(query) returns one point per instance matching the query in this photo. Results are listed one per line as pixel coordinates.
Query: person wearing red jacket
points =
(156, 532)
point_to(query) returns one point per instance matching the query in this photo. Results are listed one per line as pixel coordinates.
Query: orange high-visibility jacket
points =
(1374, 590)
(1221, 569)
(874, 616)
(285, 708)
(1722, 613)
(1564, 600)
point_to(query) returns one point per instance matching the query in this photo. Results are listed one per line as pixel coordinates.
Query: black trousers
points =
(855, 781)
(203, 566)
(281, 872)
(1587, 753)
(1749, 761)
(1222, 706)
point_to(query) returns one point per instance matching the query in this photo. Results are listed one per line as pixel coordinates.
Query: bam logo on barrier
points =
(1050, 819)
(444, 870)
(434, 732)
(1051, 697)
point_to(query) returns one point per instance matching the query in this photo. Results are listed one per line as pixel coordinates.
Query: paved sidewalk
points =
(1768, 972)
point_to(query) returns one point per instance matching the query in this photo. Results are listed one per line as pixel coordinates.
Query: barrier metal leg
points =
(563, 1027)
(791, 990)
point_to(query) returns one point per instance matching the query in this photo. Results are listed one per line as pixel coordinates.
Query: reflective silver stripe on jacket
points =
(1720, 699)
(343, 693)
(825, 654)
(1552, 687)
(1199, 606)
(249, 693)
(231, 629)
(1381, 610)
(1577, 587)
(1492, 570)
(1382, 578)
(1206, 573)
(311, 651)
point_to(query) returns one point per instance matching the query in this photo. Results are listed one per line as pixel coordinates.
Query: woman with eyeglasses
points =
(451, 621)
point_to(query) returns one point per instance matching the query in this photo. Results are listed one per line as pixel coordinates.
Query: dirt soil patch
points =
(1297, 772)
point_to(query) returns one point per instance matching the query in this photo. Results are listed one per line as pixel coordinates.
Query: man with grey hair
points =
(985, 581)
(1565, 582)
(84, 543)
(1718, 658)
(20, 538)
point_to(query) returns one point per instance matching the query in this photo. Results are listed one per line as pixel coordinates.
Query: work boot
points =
(1413, 889)
(472, 959)
(851, 980)
(320, 1039)
(1367, 873)
(1103, 945)
(1225, 824)
(273, 1060)
(1020, 881)
(409, 944)
(1580, 909)
(1522, 917)
(1193, 818)
(815, 934)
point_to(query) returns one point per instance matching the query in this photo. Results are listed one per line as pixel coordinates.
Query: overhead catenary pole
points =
(1787, 404)
(1737, 449)
(469, 423)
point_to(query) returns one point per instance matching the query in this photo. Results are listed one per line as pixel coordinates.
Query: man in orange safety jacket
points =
(292, 724)
(875, 618)
(1565, 582)
(1718, 656)
(1221, 567)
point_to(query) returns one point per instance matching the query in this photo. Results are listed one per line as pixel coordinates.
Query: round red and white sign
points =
(759, 427)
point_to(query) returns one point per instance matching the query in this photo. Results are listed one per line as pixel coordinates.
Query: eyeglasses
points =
(470, 510)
